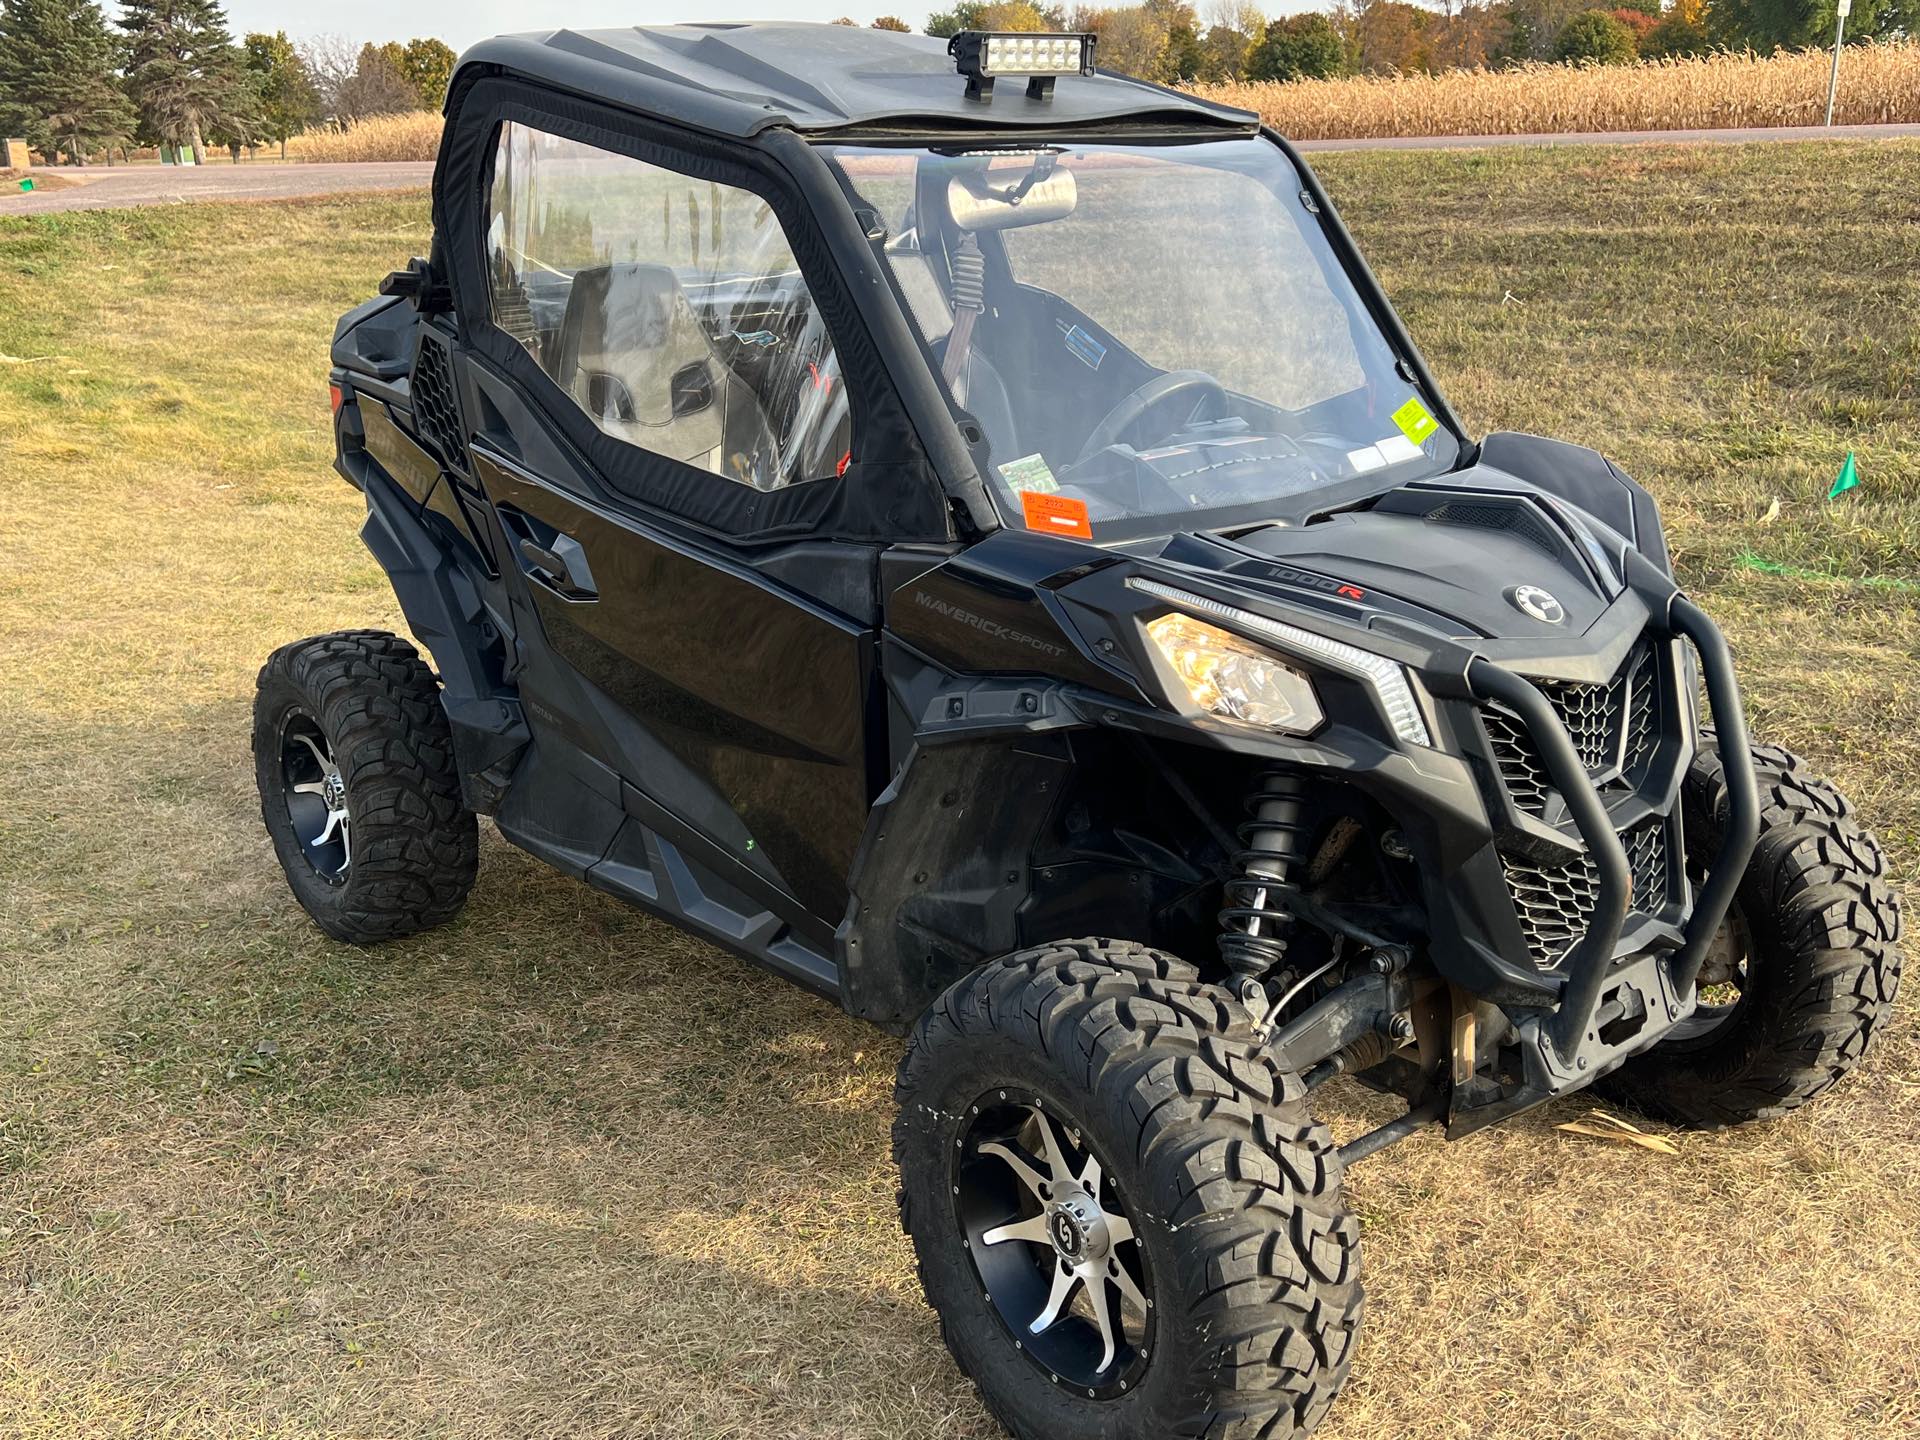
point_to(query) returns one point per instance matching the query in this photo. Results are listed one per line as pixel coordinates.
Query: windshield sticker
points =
(1366, 459)
(1396, 448)
(1416, 422)
(1030, 472)
(1085, 347)
(1055, 514)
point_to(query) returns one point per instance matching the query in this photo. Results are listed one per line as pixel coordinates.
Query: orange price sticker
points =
(1055, 514)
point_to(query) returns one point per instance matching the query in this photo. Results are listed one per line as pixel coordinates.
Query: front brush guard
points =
(1606, 1010)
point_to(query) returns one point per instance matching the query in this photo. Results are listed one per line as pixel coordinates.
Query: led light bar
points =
(983, 56)
(1387, 678)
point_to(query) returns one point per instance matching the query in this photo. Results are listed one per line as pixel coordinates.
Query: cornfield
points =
(1878, 84)
(412, 136)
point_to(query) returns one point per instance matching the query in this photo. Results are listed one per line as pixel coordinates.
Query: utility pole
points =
(1839, 35)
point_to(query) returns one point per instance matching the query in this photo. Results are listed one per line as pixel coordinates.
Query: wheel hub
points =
(1078, 1228)
(315, 794)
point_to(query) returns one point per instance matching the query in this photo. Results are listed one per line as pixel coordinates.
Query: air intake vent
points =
(1555, 903)
(1612, 726)
(1522, 521)
(436, 411)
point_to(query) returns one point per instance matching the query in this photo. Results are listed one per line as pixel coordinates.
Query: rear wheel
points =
(1803, 972)
(358, 787)
(1125, 1217)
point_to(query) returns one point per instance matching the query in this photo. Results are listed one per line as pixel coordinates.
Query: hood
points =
(1477, 556)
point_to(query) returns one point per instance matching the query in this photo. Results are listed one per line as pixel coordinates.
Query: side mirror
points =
(690, 390)
(418, 284)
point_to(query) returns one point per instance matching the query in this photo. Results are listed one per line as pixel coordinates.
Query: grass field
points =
(556, 1171)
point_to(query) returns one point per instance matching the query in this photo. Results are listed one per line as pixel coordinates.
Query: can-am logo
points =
(986, 626)
(1540, 604)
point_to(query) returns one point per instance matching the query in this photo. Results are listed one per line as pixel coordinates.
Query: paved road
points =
(1626, 137)
(170, 185)
(121, 186)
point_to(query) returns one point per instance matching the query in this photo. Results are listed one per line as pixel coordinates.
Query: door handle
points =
(560, 566)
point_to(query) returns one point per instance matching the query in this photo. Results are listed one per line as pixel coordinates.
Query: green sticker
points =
(1415, 421)
(1030, 472)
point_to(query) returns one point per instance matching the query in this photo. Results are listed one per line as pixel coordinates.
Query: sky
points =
(461, 22)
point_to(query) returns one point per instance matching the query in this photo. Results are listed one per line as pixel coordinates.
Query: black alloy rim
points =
(1053, 1244)
(315, 794)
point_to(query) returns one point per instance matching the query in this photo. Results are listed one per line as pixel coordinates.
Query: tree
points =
(1674, 37)
(1303, 46)
(288, 99)
(1596, 37)
(1534, 26)
(1019, 15)
(1390, 37)
(1638, 22)
(1185, 57)
(892, 22)
(57, 86)
(240, 125)
(376, 87)
(1471, 34)
(330, 61)
(1234, 28)
(1766, 25)
(1132, 41)
(184, 73)
(428, 66)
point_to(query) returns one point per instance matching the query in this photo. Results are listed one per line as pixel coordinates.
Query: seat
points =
(635, 357)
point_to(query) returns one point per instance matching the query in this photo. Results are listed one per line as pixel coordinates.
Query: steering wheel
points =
(1155, 392)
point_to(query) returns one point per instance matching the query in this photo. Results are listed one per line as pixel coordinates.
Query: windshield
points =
(1145, 333)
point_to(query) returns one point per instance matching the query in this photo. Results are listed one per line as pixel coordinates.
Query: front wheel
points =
(1125, 1217)
(1804, 970)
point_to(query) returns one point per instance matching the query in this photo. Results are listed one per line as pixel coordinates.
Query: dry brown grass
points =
(557, 1171)
(412, 136)
(1879, 84)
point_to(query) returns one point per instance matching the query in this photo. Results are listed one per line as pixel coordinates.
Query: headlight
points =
(1385, 677)
(1234, 679)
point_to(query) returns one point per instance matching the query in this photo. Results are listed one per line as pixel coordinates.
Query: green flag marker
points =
(1845, 480)
(26, 184)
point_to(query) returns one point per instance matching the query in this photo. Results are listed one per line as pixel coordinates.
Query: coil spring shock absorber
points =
(1257, 920)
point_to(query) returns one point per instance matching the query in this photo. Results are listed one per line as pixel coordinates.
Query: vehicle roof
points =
(739, 79)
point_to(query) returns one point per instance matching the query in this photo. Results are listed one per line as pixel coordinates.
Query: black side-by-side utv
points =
(968, 532)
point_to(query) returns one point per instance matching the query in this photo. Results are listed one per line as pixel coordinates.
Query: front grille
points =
(1611, 723)
(1555, 902)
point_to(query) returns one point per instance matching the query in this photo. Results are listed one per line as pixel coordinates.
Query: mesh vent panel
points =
(435, 411)
(1555, 903)
(1595, 717)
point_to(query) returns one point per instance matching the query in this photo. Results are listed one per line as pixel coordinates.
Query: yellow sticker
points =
(1415, 421)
